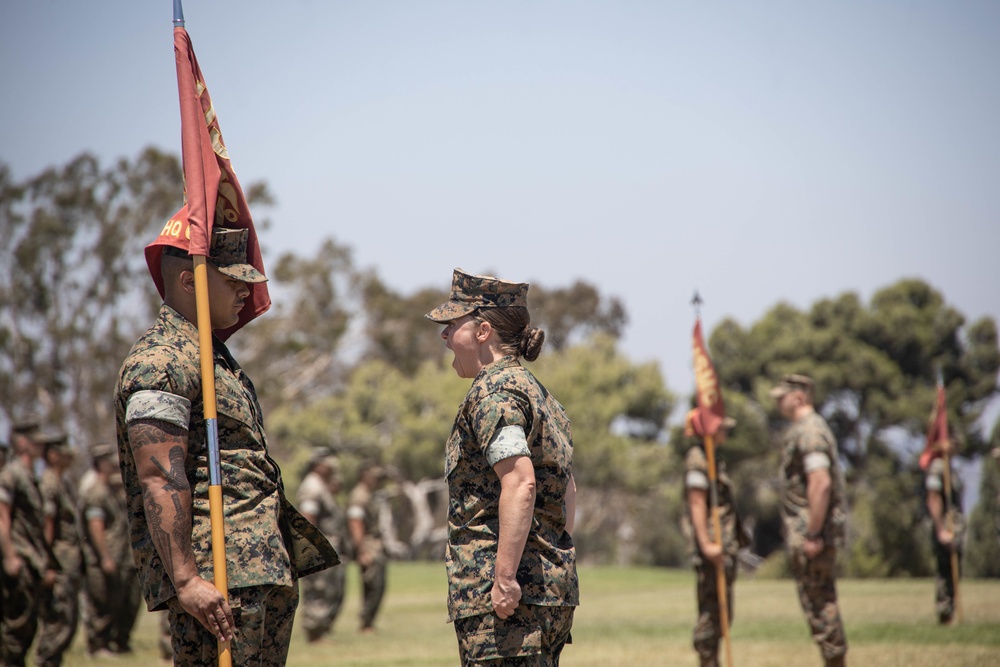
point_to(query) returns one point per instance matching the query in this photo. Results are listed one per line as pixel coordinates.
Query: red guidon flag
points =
(212, 192)
(937, 432)
(711, 410)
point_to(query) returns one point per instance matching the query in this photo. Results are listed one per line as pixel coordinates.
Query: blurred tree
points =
(570, 314)
(74, 288)
(875, 373)
(395, 328)
(982, 557)
(296, 351)
(617, 408)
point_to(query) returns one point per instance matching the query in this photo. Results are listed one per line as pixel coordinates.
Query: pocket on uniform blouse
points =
(452, 453)
(233, 403)
(493, 638)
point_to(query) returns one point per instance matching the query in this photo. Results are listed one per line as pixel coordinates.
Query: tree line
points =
(344, 361)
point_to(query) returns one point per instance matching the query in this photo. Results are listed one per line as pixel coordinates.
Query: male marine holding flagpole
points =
(163, 450)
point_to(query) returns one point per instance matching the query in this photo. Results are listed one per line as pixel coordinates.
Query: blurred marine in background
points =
(813, 512)
(707, 551)
(322, 592)
(60, 608)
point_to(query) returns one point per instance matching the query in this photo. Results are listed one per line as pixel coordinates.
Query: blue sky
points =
(757, 152)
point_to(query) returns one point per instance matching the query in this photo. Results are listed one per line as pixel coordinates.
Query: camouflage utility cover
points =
(506, 394)
(19, 490)
(267, 540)
(810, 435)
(470, 292)
(697, 463)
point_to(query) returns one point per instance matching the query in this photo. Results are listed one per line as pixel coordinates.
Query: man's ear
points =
(187, 280)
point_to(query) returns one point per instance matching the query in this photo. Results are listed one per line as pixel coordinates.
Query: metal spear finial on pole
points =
(178, 14)
(695, 301)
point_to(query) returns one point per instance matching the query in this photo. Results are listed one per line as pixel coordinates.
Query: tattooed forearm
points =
(161, 539)
(182, 529)
(176, 476)
(145, 432)
(176, 481)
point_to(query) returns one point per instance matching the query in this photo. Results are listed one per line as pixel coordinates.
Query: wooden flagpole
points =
(207, 358)
(720, 570)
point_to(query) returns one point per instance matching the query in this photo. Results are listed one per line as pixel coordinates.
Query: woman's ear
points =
(484, 331)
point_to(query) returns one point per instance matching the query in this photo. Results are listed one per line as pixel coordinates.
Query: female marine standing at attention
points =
(512, 582)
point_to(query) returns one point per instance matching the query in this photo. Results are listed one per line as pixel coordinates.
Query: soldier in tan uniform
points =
(813, 512)
(947, 528)
(22, 544)
(366, 536)
(111, 589)
(512, 582)
(323, 592)
(706, 550)
(60, 609)
(164, 451)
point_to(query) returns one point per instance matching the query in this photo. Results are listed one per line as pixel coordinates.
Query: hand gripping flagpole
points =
(207, 358)
(720, 570)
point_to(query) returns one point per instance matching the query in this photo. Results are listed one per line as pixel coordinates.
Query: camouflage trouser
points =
(372, 590)
(58, 616)
(322, 596)
(21, 595)
(263, 617)
(166, 650)
(533, 637)
(127, 612)
(944, 588)
(817, 586)
(708, 629)
(111, 608)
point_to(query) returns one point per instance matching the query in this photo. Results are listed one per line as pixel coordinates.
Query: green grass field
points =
(643, 616)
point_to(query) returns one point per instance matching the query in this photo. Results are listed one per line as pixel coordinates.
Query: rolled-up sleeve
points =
(161, 405)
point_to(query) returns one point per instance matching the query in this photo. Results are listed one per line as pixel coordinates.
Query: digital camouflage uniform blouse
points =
(806, 443)
(59, 503)
(20, 491)
(98, 501)
(267, 540)
(506, 394)
(696, 477)
(314, 497)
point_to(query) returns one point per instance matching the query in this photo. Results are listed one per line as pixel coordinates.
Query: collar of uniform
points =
(506, 361)
(186, 327)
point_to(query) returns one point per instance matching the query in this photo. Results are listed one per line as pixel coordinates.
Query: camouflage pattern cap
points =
(57, 440)
(792, 383)
(228, 253)
(103, 451)
(28, 425)
(470, 292)
(325, 456)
